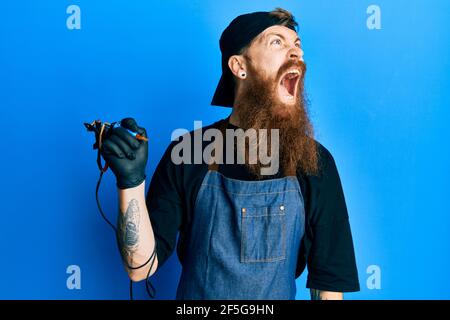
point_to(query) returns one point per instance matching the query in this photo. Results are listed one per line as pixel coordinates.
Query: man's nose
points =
(296, 53)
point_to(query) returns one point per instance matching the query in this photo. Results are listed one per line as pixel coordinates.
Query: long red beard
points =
(259, 107)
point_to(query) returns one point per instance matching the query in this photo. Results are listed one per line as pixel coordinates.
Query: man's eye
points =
(298, 44)
(276, 41)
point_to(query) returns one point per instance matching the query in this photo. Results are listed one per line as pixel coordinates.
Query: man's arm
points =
(127, 157)
(135, 233)
(326, 295)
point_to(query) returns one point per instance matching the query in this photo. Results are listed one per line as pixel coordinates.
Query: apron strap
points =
(222, 127)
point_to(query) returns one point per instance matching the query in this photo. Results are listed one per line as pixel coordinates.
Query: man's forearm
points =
(326, 295)
(134, 232)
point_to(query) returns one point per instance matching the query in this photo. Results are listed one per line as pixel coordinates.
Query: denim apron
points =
(244, 239)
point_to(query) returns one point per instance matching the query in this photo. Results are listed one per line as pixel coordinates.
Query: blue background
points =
(379, 101)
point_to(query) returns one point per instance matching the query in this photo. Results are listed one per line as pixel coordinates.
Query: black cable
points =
(131, 289)
(151, 292)
(98, 203)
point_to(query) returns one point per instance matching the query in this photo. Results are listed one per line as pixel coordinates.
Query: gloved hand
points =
(126, 155)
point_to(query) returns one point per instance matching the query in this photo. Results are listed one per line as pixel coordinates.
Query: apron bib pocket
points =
(263, 233)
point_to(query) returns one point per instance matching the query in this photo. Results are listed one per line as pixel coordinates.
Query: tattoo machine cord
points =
(101, 129)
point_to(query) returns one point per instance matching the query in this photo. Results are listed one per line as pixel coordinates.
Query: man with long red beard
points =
(242, 234)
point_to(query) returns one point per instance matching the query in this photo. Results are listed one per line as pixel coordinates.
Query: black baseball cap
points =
(239, 33)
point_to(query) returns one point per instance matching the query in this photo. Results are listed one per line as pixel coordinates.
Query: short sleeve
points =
(165, 206)
(331, 260)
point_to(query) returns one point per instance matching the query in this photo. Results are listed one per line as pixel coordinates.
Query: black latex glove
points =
(126, 155)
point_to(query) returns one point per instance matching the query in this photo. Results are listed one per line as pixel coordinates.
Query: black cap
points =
(239, 33)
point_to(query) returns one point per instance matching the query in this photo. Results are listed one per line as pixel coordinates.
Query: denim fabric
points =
(244, 239)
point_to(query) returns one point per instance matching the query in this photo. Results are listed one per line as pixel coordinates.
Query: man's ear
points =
(237, 66)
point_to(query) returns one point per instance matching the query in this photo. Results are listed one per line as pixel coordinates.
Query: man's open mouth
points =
(289, 83)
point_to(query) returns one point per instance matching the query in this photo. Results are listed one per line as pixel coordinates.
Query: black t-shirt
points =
(326, 248)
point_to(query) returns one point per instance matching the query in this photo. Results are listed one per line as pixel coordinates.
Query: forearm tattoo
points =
(315, 294)
(128, 230)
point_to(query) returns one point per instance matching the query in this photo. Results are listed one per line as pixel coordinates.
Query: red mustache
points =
(291, 64)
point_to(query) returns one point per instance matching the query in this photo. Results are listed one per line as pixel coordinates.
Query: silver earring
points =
(243, 74)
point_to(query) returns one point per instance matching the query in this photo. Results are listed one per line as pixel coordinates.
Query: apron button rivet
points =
(243, 210)
(281, 207)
